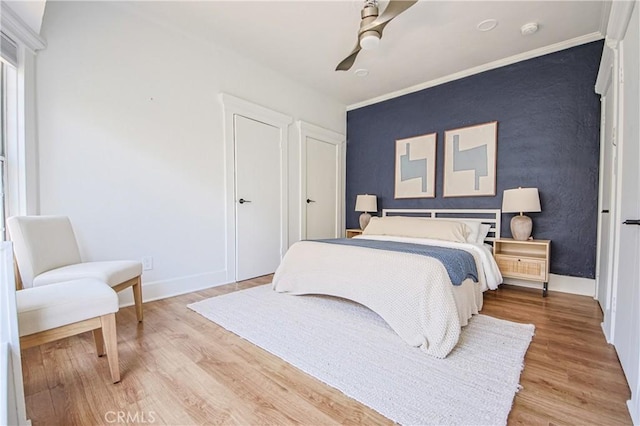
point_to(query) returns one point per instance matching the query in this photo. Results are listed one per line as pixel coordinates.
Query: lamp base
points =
(364, 220)
(521, 227)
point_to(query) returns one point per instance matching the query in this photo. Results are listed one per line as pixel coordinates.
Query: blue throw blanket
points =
(460, 264)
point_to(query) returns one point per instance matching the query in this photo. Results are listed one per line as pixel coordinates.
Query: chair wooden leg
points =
(99, 339)
(111, 343)
(137, 298)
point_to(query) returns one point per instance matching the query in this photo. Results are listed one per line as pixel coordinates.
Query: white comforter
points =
(412, 293)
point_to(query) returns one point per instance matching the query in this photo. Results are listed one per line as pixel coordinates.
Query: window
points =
(8, 128)
(18, 47)
(3, 176)
(3, 167)
(8, 121)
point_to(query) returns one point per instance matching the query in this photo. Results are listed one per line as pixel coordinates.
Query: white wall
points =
(131, 138)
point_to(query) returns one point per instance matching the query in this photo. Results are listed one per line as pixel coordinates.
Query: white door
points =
(626, 308)
(322, 163)
(321, 203)
(258, 197)
(607, 205)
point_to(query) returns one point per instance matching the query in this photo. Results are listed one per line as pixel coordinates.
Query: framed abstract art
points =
(470, 161)
(416, 167)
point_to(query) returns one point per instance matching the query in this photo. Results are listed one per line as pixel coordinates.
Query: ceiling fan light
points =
(369, 40)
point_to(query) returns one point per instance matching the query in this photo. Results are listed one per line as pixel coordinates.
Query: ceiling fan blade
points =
(393, 9)
(349, 60)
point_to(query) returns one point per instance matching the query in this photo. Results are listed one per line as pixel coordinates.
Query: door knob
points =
(631, 222)
(309, 200)
(242, 201)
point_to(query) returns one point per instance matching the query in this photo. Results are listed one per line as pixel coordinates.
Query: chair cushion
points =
(55, 305)
(42, 243)
(111, 272)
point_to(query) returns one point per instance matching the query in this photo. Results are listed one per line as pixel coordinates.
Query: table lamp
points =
(366, 203)
(521, 200)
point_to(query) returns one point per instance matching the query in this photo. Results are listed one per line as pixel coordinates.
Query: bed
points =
(401, 268)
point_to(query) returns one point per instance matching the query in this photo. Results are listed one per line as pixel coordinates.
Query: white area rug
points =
(350, 348)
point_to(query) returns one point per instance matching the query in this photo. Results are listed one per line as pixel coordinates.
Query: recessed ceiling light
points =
(528, 29)
(487, 25)
(361, 72)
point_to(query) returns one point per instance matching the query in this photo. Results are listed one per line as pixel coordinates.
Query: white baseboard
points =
(606, 335)
(156, 290)
(634, 408)
(562, 283)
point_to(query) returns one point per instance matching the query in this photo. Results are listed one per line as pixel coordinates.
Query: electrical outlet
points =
(147, 263)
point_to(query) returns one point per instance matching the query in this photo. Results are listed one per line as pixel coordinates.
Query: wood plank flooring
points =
(179, 368)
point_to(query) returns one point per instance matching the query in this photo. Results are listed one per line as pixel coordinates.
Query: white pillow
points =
(418, 227)
(482, 234)
(474, 230)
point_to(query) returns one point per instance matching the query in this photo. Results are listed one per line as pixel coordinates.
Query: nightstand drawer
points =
(522, 267)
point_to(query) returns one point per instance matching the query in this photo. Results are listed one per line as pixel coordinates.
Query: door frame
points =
(306, 130)
(607, 86)
(231, 107)
(614, 53)
(610, 84)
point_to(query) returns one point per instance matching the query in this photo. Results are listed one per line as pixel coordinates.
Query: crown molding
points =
(588, 38)
(14, 27)
(619, 18)
(604, 16)
(605, 71)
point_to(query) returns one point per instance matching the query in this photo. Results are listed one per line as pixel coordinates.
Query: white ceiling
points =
(31, 12)
(430, 41)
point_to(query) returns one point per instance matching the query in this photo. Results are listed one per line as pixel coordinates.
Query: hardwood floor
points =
(179, 368)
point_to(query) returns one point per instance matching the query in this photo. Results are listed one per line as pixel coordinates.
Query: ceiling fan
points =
(372, 25)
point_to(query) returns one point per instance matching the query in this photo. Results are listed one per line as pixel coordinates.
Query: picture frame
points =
(415, 168)
(470, 161)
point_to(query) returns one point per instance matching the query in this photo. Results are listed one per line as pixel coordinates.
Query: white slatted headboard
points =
(489, 216)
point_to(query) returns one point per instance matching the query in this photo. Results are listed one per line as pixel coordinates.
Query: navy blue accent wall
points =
(548, 137)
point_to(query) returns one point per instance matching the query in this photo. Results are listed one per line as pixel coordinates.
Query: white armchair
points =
(52, 312)
(46, 252)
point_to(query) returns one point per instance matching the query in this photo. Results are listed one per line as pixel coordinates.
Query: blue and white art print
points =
(470, 161)
(416, 167)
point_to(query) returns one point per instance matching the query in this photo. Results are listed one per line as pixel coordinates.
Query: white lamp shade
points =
(521, 200)
(366, 203)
